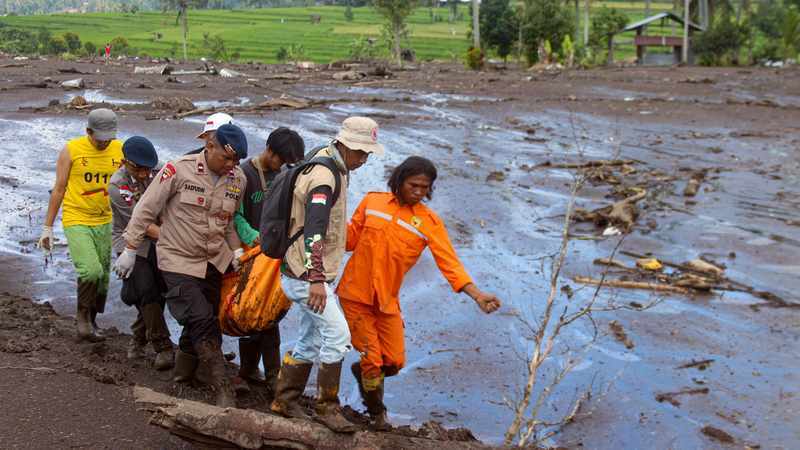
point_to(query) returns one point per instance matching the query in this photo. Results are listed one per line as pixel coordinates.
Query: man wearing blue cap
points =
(145, 286)
(195, 198)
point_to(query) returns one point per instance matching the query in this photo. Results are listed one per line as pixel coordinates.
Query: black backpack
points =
(277, 211)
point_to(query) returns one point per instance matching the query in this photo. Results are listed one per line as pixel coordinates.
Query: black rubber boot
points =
(249, 357)
(87, 296)
(158, 335)
(271, 356)
(373, 400)
(185, 366)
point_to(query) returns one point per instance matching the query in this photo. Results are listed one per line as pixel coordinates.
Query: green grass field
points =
(257, 34)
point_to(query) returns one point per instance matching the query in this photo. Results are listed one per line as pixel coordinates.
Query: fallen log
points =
(632, 285)
(245, 428)
(701, 365)
(194, 112)
(671, 397)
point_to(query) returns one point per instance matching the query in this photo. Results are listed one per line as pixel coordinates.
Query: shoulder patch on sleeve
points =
(168, 172)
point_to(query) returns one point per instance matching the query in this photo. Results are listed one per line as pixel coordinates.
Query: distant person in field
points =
(387, 234)
(108, 52)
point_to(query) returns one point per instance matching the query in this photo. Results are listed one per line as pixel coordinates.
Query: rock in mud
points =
(176, 104)
(717, 434)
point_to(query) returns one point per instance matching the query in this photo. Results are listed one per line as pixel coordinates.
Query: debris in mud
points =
(73, 84)
(230, 73)
(632, 285)
(78, 102)
(621, 214)
(695, 276)
(350, 75)
(177, 104)
(620, 335)
(649, 264)
(694, 183)
(717, 434)
(496, 175)
(586, 165)
(671, 397)
(700, 365)
(164, 69)
(694, 80)
(705, 267)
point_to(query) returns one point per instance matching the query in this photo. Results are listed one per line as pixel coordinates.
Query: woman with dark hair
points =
(387, 234)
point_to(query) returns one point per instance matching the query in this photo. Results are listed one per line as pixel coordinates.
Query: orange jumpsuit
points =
(386, 240)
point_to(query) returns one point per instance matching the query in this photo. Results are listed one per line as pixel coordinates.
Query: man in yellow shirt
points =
(83, 170)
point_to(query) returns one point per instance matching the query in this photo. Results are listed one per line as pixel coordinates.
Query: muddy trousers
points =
(379, 337)
(193, 302)
(90, 252)
(144, 289)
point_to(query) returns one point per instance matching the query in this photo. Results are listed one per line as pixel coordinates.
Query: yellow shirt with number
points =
(86, 201)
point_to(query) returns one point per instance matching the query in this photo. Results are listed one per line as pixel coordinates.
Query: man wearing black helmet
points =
(195, 198)
(145, 286)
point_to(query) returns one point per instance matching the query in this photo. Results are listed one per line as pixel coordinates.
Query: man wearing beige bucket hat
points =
(312, 263)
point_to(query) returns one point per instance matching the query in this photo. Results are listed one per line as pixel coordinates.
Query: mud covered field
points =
(507, 143)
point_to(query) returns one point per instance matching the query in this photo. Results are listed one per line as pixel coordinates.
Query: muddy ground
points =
(488, 132)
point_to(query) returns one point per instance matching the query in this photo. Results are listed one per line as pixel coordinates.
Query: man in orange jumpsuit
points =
(387, 234)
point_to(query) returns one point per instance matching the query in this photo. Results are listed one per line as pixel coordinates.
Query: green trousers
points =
(90, 251)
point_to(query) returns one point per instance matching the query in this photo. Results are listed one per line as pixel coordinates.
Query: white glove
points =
(237, 263)
(123, 266)
(46, 240)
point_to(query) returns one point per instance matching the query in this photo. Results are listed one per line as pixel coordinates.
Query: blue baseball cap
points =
(140, 151)
(232, 135)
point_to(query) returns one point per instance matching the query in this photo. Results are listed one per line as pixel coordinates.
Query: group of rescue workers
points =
(176, 228)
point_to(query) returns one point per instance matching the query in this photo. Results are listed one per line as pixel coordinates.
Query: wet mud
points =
(491, 134)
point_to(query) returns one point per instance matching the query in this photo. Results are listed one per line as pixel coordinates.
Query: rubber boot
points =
(249, 356)
(158, 335)
(210, 354)
(292, 379)
(185, 366)
(373, 400)
(87, 293)
(271, 356)
(99, 306)
(136, 346)
(327, 408)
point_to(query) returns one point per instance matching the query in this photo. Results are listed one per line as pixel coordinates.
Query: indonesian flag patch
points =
(167, 173)
(319, 199)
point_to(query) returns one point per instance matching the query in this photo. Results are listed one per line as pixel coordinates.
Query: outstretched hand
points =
(487, 302)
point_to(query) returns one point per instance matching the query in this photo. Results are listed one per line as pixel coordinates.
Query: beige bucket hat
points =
(360, 133)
